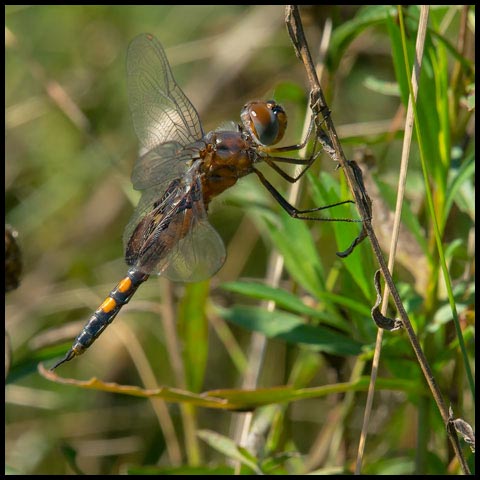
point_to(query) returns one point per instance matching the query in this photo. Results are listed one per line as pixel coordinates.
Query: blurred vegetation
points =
(70, 147)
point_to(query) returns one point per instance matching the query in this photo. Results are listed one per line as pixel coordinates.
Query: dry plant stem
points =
(54, 90)
(255, 358)
(136, 352)
(258, 342)
(274, 272)
(334, 149)
(396, 228)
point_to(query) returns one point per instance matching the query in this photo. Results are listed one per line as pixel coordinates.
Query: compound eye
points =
(265, 121)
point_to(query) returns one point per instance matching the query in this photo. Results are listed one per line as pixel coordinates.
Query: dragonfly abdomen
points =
(105, 313)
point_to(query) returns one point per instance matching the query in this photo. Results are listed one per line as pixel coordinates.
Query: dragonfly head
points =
(265, 121)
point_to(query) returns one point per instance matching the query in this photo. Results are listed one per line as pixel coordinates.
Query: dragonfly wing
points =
(160, 165)
(169, 232)
(201, 252)
(147, 217)
(161, 111)
(198, 256)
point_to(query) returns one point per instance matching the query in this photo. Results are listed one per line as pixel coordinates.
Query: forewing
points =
(161, 111)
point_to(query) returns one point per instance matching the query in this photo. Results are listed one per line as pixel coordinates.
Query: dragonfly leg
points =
(307, 162)
(295, 212)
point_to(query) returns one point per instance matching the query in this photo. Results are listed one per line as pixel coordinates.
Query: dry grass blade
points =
(274, 273)
(53, 89)
(407, 141)
(131, 343)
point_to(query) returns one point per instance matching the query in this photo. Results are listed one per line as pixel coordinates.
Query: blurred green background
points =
(70, 147)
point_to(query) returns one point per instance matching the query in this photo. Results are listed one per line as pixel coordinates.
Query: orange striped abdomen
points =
(105, 313)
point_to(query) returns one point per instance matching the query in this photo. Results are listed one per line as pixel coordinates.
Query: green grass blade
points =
(193, 328)
(287, 301)
(230, 449)
(292, 329)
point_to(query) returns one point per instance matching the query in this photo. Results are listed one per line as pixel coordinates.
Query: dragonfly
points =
(181, 170)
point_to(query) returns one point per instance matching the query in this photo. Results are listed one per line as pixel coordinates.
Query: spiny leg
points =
(295, 212)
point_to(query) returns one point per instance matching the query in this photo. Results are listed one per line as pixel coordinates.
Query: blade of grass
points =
(230, 449)
(438, 236)
(174, 353)
(292, 329)
(193, 328)
(331, 144)
(287, 301)
(228, 340)
(438, 240)
(396, 229)
(136, 352)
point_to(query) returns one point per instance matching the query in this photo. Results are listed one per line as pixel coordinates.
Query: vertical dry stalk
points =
(407, 139)
(136, 352)
(332, 146)
(274, 273)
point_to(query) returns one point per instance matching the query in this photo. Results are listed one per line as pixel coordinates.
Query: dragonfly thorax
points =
(227, 156)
